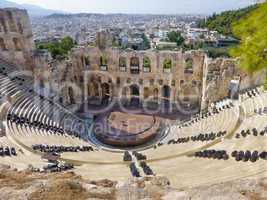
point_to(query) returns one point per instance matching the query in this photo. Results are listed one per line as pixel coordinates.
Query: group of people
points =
(127, 157)
(253, 93)
(214, 154)
(17, 79)
(56, 167)
(147, 170)
(8, 151)
(139, 156)
(134, 170)
(253, 132)
(39, 125)
(203, 115)
(251, 156)
(61, 149)
(200, 137)
(261, 111)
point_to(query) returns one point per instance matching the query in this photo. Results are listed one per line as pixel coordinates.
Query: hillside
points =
(223, 22)
(26, 185)
(32, 9)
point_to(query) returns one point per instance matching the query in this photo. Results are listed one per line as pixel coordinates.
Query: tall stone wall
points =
(184, 84)
(16, 39)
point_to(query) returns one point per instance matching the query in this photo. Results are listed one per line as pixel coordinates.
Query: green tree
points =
(252, 32)
(60, 48)
(174, 36)
(223, 22)
(146, 41)
(67, 44)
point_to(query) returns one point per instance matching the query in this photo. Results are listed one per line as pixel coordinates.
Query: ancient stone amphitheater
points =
(225, 142)
(173, 156)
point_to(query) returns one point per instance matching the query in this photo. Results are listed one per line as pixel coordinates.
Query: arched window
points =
(20, 27)
(2, 45)
(166, 91)
(105, 87)
(71, 95)
(103, 63)
(134, 65)
(12, 25)
(87, 61)
(17, 44)
(3, 23)
(122, 64)
(189, 66)
(147, 64)
(167, 65)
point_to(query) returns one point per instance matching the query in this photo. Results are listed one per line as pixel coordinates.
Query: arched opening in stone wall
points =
(106, 93)
(11, 22)
(189, 66)
(87, 61)
(103, 63)
(166, 94)
(135, 65)
(167, 65)
(122, 64)
(20, 27)
(71, 95)
(96, 92)
(147, 64)
(3, 23)
(17, 44)
(41, 83)
(2, 45)
(135, 95)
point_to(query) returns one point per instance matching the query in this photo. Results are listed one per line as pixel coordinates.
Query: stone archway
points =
(96, 92)
(17, 44)
(106, 92)
(135, 65)
(166, 96)
(71, 95)
(135, 95)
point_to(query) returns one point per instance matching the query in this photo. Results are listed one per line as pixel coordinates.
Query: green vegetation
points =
(122, 62)
(189, 63)
(252, 31)
(215, 52)
(223, 22)
(60, 48)
(167, 64)
(146, 41)
(147, 62)
(103, 60)
(195, 46)
(176, 37)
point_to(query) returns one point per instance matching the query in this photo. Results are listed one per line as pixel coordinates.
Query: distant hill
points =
(223, 22)
(32, 9)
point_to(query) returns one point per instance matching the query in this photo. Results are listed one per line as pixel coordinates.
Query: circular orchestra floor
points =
(126, 129)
